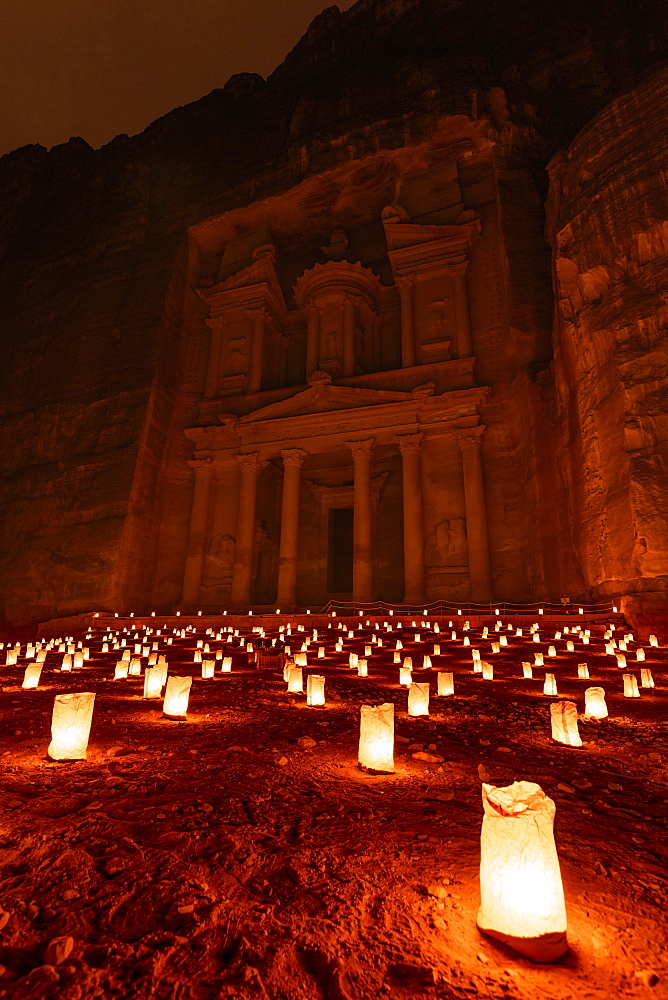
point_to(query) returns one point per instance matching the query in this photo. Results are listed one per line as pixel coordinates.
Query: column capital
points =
(260, 313)
(215, 322)
(404, 281)
(409, 442)
(201, 465)
(469, 438)
(294, 456)
(360, 449)
(251, 460)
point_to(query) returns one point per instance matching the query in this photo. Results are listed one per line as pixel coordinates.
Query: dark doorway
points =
(340, 559)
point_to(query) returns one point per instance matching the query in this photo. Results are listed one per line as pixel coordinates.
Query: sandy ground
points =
(215, 857)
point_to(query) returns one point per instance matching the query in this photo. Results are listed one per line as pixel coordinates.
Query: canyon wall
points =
(102, 333)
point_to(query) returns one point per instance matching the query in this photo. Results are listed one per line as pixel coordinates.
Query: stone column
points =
(462, 315)
(405, 286)
(242, 572)
(259, 318)
(312, 339)
(469, 440)
(293, 459)
(192, 577)
(362, 568)
(348, 337)
(215, 350)
(411, 466)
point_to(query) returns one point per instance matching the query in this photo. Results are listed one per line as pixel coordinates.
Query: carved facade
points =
(339, 441)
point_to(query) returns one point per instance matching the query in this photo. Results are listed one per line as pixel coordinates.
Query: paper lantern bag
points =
(70, 725)
(376, 747)
(521, 893)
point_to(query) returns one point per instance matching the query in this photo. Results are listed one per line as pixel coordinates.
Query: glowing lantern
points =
(399, 644)
(418, 699)
(653, 641)
(197, 658)
(70, 726)
(417, 637)
(640, 655)
(126, 655)
(527, 671)
(408, 662)
(646, 679)
(622, 645)
(227, 665)
(536, 637)
(564, 715)
(67, 662)
(550, 685)
(467, 641)
(583, 672)
(503, 640)
(426, 662)
(475, 654)
(376, 747)
(405, 676)
(538, 660)
(397, 656)
(367, 650)
(570, 646)
(362, 668)
(338, 647)
(551, 651)
(621, 660)
(477, 666)
(496, 647)
(177, 693)
(446, 683)
(32, 674)
(135, 667)
(595, 706)
(152, 659)
(353, 660)
(41, 655)
(315, 690)
(295, 680)
(631, 686)
(207, 669)
(521, 894)
(437, 649)
(487, 671)
(121, 671)
(610, 648)
(153, 682)
(301, 659)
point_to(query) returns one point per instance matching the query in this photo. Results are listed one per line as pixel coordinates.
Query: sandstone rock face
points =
(102, 253)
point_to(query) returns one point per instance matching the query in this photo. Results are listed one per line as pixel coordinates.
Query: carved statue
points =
(447, 545)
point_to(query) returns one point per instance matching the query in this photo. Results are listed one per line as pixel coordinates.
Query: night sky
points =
(96, 68)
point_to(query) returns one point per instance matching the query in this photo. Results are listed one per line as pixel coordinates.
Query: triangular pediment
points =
(326, 399)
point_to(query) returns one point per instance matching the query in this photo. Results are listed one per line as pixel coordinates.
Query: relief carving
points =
(219, 559)
(446, 546)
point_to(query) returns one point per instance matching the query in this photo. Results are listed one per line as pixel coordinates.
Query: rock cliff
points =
(98, 318)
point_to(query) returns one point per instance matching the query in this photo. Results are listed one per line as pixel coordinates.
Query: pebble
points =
(566, 788)
(483, 773)
(70, 894)
(306, 743)
(484, 743)
(43, 975)
(4, 917)
(282, 761)
(614, 786)
(581, 783)
(431, 758)
(58, 949)
(186, 908)
(647, 977)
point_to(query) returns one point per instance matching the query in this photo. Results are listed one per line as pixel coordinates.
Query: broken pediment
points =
(251, 287)
(323, 397)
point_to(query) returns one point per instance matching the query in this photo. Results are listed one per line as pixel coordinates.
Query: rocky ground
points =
(219, 857)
